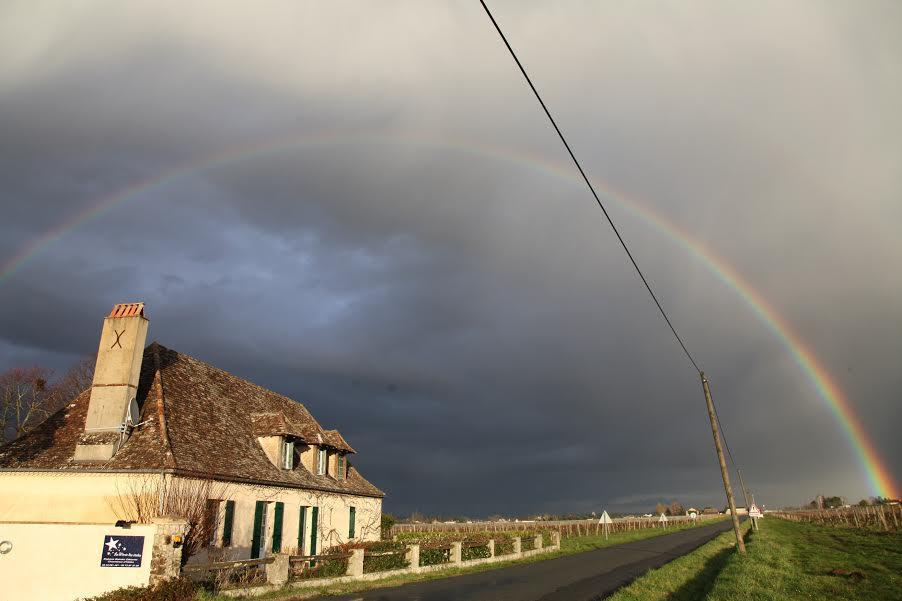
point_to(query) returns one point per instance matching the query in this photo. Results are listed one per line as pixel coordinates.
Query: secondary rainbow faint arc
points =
(878, 475)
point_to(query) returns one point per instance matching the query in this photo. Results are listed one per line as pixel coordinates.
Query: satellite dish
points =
(132, 414)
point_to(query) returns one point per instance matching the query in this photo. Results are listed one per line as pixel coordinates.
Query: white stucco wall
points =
(61, 562)
(98, 498)
(333, 526)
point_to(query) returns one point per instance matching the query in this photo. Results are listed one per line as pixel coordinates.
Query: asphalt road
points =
(581, 577)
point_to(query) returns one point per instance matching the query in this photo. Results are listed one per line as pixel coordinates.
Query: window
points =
(302, 529)
(287, 454)
(211, 521)
(258, 539)
(340, 472)
(352, 518)
(321, 461)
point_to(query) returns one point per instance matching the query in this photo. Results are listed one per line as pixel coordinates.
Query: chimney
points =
(115, 382)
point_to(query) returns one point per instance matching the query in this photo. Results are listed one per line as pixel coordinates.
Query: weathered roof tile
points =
(197, 420)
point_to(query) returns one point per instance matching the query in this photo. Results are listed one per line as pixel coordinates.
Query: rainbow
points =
(879, 477)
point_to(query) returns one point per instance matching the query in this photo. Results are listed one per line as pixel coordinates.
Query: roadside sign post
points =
(605, 519)
(754, 514)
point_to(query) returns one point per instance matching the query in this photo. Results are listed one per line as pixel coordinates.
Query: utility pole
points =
(723, 464)
(745, 491)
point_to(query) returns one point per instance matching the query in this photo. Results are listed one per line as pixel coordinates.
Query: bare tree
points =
(29, 395)
(24, 400)
(144, 497)
(76, 380)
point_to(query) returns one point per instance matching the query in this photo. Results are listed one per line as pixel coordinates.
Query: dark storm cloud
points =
(467, 320)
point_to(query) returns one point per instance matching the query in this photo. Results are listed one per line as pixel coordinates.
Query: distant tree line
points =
(832, 502)
(673, 508)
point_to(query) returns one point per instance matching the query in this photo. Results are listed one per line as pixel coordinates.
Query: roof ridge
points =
(161, 404)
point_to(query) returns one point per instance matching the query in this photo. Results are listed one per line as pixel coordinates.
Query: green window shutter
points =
(302, 529)
(258, 523)
(277, 528)
(314, 518)
(352, 518)
(227, 525)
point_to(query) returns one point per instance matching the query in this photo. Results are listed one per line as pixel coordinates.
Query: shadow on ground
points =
(701, 584)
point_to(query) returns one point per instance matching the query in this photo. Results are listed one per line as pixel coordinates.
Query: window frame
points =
(322, 462)
(341, 467)
(212, 512)
(287, 453)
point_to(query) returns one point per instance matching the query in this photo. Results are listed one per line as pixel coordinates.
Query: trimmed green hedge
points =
(381, 563)
(322, 568)
(504, 544)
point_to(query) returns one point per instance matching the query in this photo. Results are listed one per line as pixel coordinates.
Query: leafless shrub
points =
(143, 498)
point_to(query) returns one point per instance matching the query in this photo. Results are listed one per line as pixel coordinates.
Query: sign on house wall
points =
(122, 551)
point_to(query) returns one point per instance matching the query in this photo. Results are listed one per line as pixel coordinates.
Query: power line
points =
(591, 187)
(610, 221)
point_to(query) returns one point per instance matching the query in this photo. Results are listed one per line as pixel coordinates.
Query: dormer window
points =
(287, 453)
(321, 461)
(341, 467)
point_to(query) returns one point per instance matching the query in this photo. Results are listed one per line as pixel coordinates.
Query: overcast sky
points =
(360, 205)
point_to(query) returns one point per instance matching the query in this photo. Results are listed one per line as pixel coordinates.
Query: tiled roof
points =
(199, 421)
(332, 438)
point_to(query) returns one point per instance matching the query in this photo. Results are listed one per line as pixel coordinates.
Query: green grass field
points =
(786, 561)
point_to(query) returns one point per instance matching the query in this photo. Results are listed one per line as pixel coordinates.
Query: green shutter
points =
(314, 517)
(302, 528)
(351, 519)
(258, 523)
(227, 526)
(277, 528)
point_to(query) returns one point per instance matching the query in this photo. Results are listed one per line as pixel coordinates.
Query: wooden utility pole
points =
(745, 491)
(723, 464)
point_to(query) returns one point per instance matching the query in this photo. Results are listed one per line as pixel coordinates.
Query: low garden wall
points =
(372, 561)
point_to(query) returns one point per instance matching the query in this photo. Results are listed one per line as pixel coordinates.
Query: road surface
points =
(581, 577)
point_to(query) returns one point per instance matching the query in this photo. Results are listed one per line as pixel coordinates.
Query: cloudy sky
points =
(361, 206)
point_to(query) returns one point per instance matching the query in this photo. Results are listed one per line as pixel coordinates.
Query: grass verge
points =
(786, 561)
(569, 546)
(687, 578)
(791, 560)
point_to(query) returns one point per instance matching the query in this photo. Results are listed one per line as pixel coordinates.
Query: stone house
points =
(156, 421)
